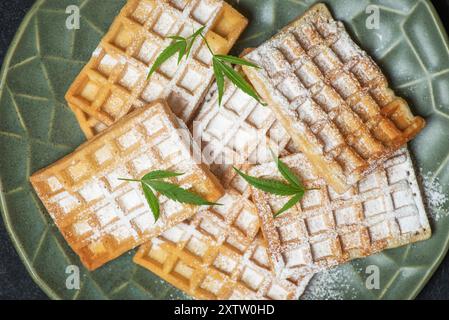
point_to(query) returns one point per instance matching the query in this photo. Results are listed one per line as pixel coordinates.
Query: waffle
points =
(237, 133)
(219, 254)
(89, 125)
(240, 133)
(102, 217)
(331, 98)
(384, 210)
(114, 81)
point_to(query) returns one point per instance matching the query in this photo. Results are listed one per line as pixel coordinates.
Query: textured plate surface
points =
(37, 128)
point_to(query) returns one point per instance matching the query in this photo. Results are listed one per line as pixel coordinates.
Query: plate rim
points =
(4, 207)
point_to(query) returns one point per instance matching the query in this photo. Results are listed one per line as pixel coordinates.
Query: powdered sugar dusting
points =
(435, 197)
(290, 77)
(333, 284)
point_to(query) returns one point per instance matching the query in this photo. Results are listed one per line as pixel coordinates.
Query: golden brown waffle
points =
(384, 210)
(114, 81)
(331, 98)
(219, 254)
(89, 125)
(186, 254)
(243, 119)
(102, 217)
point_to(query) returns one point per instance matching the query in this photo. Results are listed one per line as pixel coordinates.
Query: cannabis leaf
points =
(152, 201)
(294, 187)
(176, 193)
(180, 45)
(223, 69)
(160, 174)
(221, 64)
(269, 185)
(152, 182)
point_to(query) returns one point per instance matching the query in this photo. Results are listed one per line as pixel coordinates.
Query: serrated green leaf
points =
(219, 77)
(287, 173)
(166, 54)
(160, 174)
(152, 200)
(269, 185)
(236, 60)
(177, 193)
(290, 203)
(239, 81)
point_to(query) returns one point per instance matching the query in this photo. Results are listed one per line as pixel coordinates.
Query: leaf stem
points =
(207, 44)
(129, 180)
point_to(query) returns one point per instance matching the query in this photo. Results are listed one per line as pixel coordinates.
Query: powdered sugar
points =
(435, 197)
(333, 284)
(336, 284)
(290, 78)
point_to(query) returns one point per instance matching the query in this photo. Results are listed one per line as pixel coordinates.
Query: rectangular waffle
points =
(102, 217)
(114, 81)
(219, 254)
(384, 210)
(332, 98)
(239, 113)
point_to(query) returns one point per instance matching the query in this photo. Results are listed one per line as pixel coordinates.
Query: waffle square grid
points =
(102, 217)
(332, 98)
(384, 210)
(219, 254)
(114, 82)
(238, 133)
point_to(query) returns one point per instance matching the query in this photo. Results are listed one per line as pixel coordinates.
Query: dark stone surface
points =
(15, 282)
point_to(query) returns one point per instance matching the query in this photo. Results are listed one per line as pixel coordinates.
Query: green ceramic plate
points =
(36, 128)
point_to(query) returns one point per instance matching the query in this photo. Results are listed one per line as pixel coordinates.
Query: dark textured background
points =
(15, 283)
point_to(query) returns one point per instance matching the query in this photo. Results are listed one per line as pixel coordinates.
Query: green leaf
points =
(197, 33)
(269, 185)
(178, 38)
(177, 193)
(168, 52)
(235, 60)
(152, 200)
(290, 203)
(239, 81)
(193, 38)
(219, 77)
(160, 174)
(287, 173)
(182, 51)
